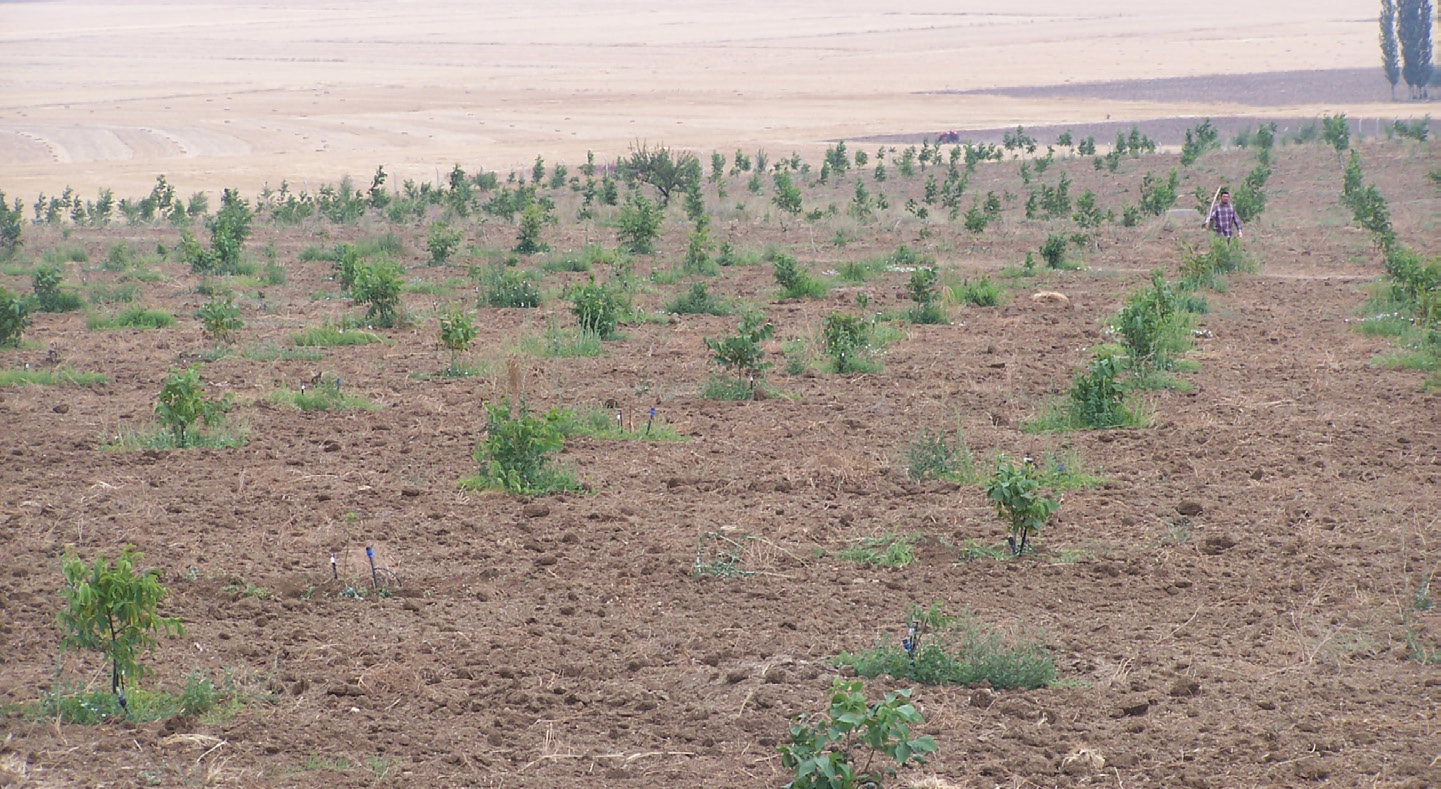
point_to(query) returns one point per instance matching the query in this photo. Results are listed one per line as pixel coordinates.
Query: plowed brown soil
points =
(1257, 639)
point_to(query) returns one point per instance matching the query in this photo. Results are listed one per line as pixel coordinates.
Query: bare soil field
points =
(1236, 601)
(1229, 607)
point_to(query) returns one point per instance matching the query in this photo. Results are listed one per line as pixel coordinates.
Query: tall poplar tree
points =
(1390, 50)
(1413, 24)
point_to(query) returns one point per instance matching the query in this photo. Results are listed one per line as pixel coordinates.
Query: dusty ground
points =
(1257, 641)
(562, 642)
(230, 94)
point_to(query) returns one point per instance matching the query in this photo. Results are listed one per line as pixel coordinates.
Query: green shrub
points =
(229, 230)
(182, 403)
(1152, 327)
(50, 296)
(741, 353)
(846, 339)
(838, 749)
(1097, 400)
(220, 319)
(697, 301)
(111, 610)
(378, 286)
(795, 282)
(932, 456)
(1054, 251)
(457, 331)
(442, 240)
(944, 650)
(638, 224)
(527, 239)
(1017, 496)
(509, 288)
(922, 290)
(1158, 197)
(597, 308)
(14, 317)
(11, 222)
(515, 454)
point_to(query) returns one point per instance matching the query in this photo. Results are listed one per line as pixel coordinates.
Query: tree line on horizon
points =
(1406, 46)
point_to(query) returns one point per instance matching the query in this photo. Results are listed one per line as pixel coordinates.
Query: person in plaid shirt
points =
(1223, 219)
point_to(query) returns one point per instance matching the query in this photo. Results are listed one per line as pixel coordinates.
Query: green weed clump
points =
(135, 317)
(981, 292)
(199, 697)
(501, 287)
(795, 281)
(945, 650)
(933, 456)
(60, 376)
(886, 550)
(560, 343)
(50, 293)
(847, 341)
(324, 394)
(331, 335)
(698, 300)
(609, 425)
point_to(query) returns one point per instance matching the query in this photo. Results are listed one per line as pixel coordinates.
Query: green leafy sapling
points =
(220, 319)
(741, 353)
(854, 744)
(110, 609)
(1017, 495)
(457, 331)
(182, 402)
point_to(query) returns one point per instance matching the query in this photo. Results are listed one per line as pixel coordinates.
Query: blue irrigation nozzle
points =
(909, 643)
(374, 577)
(649, 420)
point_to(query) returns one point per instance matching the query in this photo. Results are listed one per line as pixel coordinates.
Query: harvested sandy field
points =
(219, 94)
(1236, 602)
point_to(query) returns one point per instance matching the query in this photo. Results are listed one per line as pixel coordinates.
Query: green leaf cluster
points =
(182, 402)
(839, 748)
(1016, 492)
(112, 610)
